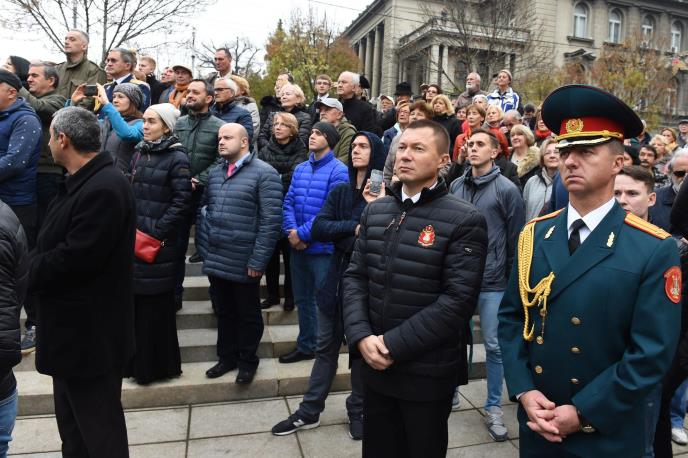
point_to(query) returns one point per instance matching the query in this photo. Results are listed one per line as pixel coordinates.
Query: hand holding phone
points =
(375, 182)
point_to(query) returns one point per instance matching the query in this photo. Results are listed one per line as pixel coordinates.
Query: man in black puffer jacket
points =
(409, 292)
(13, 278)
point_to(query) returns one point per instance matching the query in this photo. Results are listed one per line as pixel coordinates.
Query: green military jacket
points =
(73, 74)
(46, 106)
(198, 134)
(611, 330)
(346, 132)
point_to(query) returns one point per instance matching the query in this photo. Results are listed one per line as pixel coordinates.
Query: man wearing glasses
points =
(661, 211)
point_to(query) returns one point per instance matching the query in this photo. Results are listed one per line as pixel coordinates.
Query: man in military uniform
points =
(590, 320)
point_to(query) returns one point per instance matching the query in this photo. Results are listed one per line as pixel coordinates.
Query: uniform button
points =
(575, 350)
(575, 321)
(538, 369)
(574, 381)
(540, 340)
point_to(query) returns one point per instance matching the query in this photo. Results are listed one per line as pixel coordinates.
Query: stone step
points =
(193, 387)
(199, 314)
(196, 287)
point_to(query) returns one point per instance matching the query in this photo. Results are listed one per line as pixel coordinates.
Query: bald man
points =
(242, 237)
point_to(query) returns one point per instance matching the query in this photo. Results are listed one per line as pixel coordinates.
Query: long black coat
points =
(81, 271)
(162, 188)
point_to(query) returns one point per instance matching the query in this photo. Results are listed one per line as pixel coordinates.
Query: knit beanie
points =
(10, 78)
(504, 70)
(168, 113)
(329, 131)
(132, 92)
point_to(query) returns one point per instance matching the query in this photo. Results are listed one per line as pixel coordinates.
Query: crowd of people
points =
(104, 173)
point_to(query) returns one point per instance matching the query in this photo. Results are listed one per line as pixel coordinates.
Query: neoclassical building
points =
(415, 41)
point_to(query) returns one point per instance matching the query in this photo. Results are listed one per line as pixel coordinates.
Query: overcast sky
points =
(255, 19)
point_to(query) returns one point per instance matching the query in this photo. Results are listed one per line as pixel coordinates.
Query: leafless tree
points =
(113, 22)
(244, 54)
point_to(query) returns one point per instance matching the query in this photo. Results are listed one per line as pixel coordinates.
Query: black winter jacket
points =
(268, 105)
(14, 270)
(414, 277)
(161, 181)
(303, 118)
(336, 222)
(284, 158)
(362, 115)
(451, 125)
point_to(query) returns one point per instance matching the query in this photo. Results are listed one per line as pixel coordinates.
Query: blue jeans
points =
(488, 306)
(308, 272)
(8, 413)
(678, 405)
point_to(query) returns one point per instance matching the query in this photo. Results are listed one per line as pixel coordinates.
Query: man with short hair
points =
(511, 118)
(500, 202)
(682, 133)
(77, 69)
(331, 111)
(504, 95)
(472, 89)
(648, 157)
(634, 191)
(234, 270)
(576, 366)
(197, 131)
(147, 66)
(223, 65)
(529, 118)
(227, 109)
(361, 114)
(409, 294)
(309, 260)
(119, 66)
(323, 84)
(660, 213)
(81, 273)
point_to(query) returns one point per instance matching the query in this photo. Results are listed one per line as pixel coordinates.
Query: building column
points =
(377, 63)
(445, 73)
(370, 50)
(361, 55)
(433, 63)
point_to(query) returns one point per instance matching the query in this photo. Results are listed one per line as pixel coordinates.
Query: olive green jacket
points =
(198, 134)
(73, 74)
(45, 105)
(346, 132)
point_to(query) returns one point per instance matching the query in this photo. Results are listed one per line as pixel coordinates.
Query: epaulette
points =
(645, 226)
(544, 217)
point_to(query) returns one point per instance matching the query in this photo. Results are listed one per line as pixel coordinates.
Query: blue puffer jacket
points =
(311, 182)
(233, 112)
(240, 219)
(20, 148)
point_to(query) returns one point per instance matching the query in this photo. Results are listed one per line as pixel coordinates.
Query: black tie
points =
(574, 239)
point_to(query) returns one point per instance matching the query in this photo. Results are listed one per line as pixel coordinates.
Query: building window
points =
(648, 29)
(614, 26)
(580, 20)
(676, 36)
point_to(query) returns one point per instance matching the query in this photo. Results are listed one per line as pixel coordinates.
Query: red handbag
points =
(146, 248)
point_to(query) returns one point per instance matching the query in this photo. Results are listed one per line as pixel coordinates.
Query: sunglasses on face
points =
(679, 173)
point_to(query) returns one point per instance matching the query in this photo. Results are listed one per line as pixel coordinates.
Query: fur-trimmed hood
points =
(531, 161)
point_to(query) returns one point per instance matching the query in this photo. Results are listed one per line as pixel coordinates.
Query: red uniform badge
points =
(426, 237)
(672, 284)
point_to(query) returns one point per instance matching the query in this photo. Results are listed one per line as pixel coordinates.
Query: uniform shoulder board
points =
(135, 81)
(544, 217)
(645, 226)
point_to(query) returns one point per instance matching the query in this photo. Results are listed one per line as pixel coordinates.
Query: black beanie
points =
(329, 131)
(10, 78)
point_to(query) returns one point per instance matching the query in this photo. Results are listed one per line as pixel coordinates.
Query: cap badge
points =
(427, 237)
(573, 126)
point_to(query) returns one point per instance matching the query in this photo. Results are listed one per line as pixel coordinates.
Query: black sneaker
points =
(269, 302)
(288, 304)
(195, 258)
(356, 428)
(28, 342)
(293, 424)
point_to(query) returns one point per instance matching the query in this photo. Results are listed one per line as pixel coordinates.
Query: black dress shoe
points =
(288, 304)
(194, 258)
(219, 369)
(244, 377)
(269, 302)
(295, 356)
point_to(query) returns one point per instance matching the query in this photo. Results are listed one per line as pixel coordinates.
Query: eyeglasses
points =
(679, 173)
(220, 89)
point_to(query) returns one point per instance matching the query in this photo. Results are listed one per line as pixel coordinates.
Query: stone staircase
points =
(197, 333)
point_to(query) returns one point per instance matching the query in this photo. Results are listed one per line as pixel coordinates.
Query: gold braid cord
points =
(540, 291)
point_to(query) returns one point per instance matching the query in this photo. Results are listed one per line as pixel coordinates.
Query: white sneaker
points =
(456, 400)
(679, 436)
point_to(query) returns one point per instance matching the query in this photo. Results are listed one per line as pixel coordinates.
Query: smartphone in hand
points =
(375, 182)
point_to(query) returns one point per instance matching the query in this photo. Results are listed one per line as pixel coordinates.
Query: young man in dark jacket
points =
(500, 202)
(13, 278)
(337, 222)
(409, 292)
(239, 226)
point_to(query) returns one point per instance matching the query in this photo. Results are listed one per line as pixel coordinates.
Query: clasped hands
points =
(375, 353)
(295, 242)
(552, 422)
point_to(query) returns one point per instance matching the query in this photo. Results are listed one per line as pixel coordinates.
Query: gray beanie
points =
(168, 113)
(132, 92)
(329, 131)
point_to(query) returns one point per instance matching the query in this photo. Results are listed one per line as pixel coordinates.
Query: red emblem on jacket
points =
(672, 284)
(426, 237)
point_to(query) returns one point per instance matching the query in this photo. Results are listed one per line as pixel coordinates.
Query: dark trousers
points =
(47, 186)
(272, 271)
(671, 382)
(90, 418)
(239, 322)
(27, 215)
(400, 428)
(183, 234)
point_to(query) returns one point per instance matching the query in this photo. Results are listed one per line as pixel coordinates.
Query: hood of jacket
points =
(291, 148)
(482, 180)
(224, 108)
(165, 143)
(377, 158)
(19, 105)
(270, 100)
(529, 162)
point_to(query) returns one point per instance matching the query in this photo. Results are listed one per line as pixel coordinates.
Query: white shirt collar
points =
(591, 220)
(414, 198)
(119, 80)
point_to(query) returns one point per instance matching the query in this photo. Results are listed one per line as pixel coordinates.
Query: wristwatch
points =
(585, 425)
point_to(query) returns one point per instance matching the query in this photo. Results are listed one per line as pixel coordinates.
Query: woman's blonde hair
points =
(500, 112)
(243, 84)
(525, 131)
(300, 96)
(288, 119)
(448, 108)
